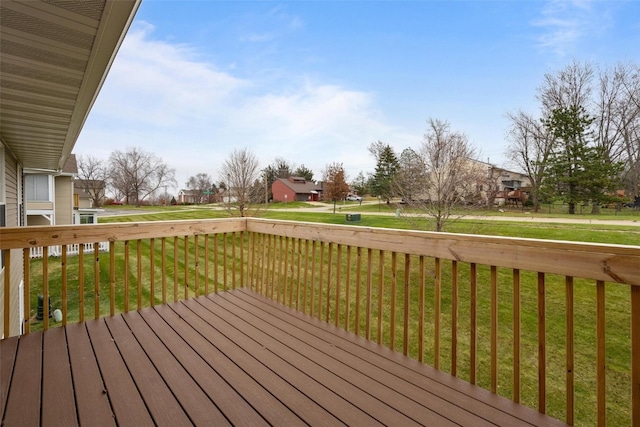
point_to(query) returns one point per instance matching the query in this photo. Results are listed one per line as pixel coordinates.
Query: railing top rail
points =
(27, 237)
(608, 262)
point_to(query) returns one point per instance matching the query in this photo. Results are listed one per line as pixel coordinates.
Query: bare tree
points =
(335, 184)
(201, 184)
(530, 145)
(93, 176)
(241, 175)
(136, 174)
(566, 88)
(452, 180)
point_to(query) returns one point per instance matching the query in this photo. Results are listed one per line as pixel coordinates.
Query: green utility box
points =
(353, 217)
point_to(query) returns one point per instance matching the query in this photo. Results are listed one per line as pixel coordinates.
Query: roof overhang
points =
(54, 57)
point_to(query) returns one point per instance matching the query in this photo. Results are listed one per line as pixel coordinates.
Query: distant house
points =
(295, 188)
(509, 187)
(88, 193)
(187, 197)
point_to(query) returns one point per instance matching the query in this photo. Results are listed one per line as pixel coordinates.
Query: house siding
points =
(12, 213)
(64, 200)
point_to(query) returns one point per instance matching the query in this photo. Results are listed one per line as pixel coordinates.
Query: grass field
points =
(617, 301)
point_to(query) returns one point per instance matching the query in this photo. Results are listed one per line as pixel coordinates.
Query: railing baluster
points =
(356, 327)
(601, 354)
(569, 343)
(380, 293)
(112, 280)
(139, 266)
(516, 335)
(329, 274)
(635, 355)
(436, 311)
(175, 268)
(338, 272)
(233, 260)
(542, 350)
(421, 314)
(126, 276)
(313, 277)
(242, 282)
(306, 276)
(96, 278)
(80, 281)
(320, 283)
(65, 284)
(454, 318)
(206, 264)
(347, 289)
(276, 283)
(152, 271)
(224, 262)
(45, 287)
(369, 286)
(407, 300)
(196, 266)
(285, 255)
(393, 302)
(473, 336)
(6, 254)
(26, 261)
(293, 252)
(299, 264)
(215, 263)
(494, 329)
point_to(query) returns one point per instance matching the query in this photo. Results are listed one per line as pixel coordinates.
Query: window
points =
(86, 219)
(37, 188)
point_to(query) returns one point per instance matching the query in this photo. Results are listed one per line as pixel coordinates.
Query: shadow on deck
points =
(231, 358)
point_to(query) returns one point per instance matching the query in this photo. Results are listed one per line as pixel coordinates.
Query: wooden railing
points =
(553, 325)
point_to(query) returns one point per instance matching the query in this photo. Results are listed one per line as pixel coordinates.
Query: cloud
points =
(564, 23)
(171, 100)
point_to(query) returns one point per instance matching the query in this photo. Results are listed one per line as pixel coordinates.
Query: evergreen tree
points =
(387, 167)
(576, 170)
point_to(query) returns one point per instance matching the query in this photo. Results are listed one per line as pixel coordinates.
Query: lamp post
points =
(285, 201)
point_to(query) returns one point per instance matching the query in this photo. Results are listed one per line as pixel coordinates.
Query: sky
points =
(316, 82)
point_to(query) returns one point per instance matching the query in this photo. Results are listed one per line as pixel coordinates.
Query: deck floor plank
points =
(302, 374)
(162, 404)
(128, 406)
(233, 358)
(8, 349)
(200, 409)
(372, 399)
(91, 396)
(253, 392)
(422, 406)
(495, 408)
(59, 406)
(23, 405)
(232, 404)
(252, 363)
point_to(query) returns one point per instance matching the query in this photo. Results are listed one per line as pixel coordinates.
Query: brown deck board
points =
(252, 364)
(26, 373)
(233, 358)
(126, 402)
(161, 403)
(421, 406)
(363, 399)
(91, 396)
(273, 411)
(200, 409)
(57, 387)
(231, 404)
(300, 374)
(8, 350)
(497, 409)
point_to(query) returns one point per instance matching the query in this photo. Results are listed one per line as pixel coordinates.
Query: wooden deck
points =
(230, 358)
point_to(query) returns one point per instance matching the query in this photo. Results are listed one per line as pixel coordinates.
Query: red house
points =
(295, 189)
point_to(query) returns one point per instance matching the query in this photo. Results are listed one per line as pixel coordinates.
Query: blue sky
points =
(316, 82)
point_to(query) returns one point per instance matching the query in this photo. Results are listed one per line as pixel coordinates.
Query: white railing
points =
(72, 249)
